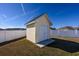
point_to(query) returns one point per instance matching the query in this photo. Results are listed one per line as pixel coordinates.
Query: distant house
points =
(38, 29)
(66, 28)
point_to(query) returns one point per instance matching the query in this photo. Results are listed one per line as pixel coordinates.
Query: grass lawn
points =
(23, 47)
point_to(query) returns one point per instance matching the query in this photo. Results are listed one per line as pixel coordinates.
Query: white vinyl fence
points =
(67, 33)
(7, 35)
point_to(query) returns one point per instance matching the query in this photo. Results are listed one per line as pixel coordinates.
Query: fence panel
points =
(7, 35)
(2, 34)
(67, 33)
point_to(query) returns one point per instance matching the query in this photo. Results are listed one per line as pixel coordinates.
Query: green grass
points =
(23, 47)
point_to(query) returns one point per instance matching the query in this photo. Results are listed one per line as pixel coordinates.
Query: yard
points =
(22, 47)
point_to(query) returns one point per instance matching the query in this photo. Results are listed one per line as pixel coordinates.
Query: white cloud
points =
(4, 16)
(23, 8)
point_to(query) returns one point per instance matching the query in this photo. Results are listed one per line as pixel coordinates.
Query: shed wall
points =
(42, 28)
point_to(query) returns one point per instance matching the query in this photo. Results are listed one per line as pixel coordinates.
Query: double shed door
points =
(43, 33)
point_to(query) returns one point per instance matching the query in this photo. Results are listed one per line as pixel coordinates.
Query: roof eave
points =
(31, 23)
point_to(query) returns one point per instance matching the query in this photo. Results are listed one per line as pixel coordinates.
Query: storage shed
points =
(38, 29)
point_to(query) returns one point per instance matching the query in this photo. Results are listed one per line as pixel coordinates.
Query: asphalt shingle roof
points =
(35, 18)
(38, 17)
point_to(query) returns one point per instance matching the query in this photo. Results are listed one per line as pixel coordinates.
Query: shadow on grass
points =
(7, 42)
(68, 46)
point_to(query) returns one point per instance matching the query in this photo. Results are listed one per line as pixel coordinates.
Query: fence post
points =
(76, 32)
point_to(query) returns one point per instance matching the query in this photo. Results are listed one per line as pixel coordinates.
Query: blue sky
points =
(16, 15)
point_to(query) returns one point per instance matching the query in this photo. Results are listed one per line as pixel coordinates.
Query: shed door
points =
(42, 33)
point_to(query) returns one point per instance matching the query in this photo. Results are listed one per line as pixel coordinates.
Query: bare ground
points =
(22, 47)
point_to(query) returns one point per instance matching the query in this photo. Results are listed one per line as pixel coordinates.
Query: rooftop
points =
(37, 17)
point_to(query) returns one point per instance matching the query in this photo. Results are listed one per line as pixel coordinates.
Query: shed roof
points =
(34, 19)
